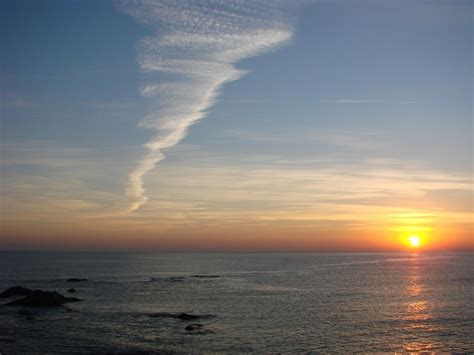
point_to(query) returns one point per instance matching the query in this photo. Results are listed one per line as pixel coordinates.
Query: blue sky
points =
(374, 86)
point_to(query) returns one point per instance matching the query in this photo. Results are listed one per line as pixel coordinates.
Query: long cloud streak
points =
(194, 50)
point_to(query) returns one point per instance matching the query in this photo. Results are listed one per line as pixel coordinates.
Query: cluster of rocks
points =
(181, 316)
(205, 276)
(35, 298)
(197, 328)
(193, 327)
(76, 279)
(168, 279)
(39, 298)
(182, 278)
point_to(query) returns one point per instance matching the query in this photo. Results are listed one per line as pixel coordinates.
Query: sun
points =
(414, 241)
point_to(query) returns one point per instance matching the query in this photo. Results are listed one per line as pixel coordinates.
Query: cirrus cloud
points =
(195, 45)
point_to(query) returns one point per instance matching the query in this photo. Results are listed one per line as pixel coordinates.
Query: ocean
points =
(322, 302)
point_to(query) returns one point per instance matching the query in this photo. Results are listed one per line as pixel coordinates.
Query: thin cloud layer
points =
(349, 101)
(194, 50)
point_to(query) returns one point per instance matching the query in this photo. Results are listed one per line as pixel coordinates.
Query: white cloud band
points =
(196, 44)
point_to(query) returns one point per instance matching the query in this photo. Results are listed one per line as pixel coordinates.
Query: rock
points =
(75, 279)
(71, 290)
(168, 279)
(205, 276)
(24, 312)
(186, 316)
(6, 339)
(15, 291)
(181, 316)
(40, 298)
(194, 326)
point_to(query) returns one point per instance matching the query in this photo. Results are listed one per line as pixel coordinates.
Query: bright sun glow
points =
(414, 241)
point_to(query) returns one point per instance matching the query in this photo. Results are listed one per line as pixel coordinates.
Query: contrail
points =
(190, 56)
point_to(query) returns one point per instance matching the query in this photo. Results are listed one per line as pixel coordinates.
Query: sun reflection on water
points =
(418, 311)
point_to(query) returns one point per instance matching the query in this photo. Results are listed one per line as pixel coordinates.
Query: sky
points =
(332, 125)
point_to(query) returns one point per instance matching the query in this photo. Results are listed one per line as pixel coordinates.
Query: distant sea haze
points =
(327, 302)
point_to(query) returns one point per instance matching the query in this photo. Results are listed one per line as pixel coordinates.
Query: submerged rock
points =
(24, 312)
(194, 326)
(205, 276)
(71, 290)
(76, 279)
(15, 291)
(40, 298)
(186, 316)
(168, 279)
(181, 316)
(6, 339)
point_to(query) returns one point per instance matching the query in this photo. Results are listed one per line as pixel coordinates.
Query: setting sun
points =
(414, 241)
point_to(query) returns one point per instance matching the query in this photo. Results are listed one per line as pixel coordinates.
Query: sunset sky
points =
(236, 126)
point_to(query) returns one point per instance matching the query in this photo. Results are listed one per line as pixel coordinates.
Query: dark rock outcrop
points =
(24, 312)
(6, 339)
(205, 276)
(168, 279)
(40, 298)
(76, 279)
(186, 316)
(181, 316)
(71, 290)
(193, 327)
(15, 291)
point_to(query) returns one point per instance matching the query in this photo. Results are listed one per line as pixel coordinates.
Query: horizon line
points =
(399, 251)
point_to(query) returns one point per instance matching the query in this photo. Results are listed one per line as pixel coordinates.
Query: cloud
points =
(10, 100)
(352, 140)
(244, 101)
(111, 105)
(56, 189)
(194, 50)
(363, 101)
(363, 191)
(41, 179)
(349, 101)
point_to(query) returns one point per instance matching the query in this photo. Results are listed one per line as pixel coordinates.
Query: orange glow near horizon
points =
(387, 234)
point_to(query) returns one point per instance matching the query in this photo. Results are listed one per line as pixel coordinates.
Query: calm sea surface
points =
(260, 302)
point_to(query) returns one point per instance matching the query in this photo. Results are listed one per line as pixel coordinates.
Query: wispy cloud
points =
(196, 44)
(349, 101)
(244, 101)
(355, 191)
(206, 191)
(10, 100)
(364, 101)
(111, 105)
(66, 181)
(340, 138)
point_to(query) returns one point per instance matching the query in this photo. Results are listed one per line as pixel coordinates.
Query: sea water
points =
(252, 302)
